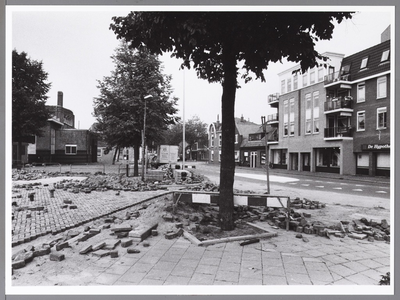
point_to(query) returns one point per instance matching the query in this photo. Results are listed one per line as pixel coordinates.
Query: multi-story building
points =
(301, 120)
(365, 78)
(335, 118)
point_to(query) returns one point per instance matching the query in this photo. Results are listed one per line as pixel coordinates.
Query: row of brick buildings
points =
(334, 118)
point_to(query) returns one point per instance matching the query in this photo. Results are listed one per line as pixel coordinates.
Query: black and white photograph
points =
(206, 150)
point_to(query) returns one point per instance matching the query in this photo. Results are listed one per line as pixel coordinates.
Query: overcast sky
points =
(75, 45)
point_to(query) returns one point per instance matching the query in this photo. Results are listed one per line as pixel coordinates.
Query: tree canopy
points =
(120, 107)
(213, 43)
(29, 89)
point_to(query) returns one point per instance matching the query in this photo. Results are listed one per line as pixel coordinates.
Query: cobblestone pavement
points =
(65, 210)
(280, 260)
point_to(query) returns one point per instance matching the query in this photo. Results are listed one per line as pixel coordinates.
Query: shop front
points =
(327, 160)
(279, 158)
(374, 160)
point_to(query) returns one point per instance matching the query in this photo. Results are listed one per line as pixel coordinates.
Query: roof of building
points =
(245, 127)
(374, 65)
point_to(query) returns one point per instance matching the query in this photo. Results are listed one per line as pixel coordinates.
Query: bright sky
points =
(75, 45)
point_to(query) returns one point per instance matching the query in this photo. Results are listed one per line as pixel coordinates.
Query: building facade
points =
(335, 118)
(62, 142)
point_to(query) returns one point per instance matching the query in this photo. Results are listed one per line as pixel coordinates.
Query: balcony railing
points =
(338, 132)
(337, 76)
(273, 98)
(338, 103)
(272, 118)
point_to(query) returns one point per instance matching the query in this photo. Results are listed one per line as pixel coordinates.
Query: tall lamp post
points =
(264, 125)
(143, 134)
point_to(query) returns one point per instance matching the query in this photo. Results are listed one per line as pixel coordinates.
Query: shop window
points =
(381, 87)
(381, 117)
(362, 160)
(70, 149)
(361, 121)
(361, 92)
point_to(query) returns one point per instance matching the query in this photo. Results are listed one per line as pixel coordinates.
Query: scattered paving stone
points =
(114, 254)
(126, 243)
(98, 246)
(299, 236)
(18, 264)
(101, 253)
(146, 244)
(57, 256)
(86, 250)
(132, 250)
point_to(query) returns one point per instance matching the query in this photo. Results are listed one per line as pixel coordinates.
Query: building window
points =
(361, 92)
(236, 138)
(308, 114)
(364, 63)
(219, 155)
(345, 69)
(285, 117)
(312, 77)
(99, 152)
(291, 117)
(220, 140)
(305, 83)
(316, 112)
(212, 155)
(237, 156)
(361, 121)
(295, 82)
(381, 117)
(385, 56)
(70, 149)
(212, 140)
(282, 86)
(289, 84)
(320, 74)
(381, 87)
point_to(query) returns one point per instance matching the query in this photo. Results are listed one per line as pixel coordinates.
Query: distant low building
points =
(62, 142)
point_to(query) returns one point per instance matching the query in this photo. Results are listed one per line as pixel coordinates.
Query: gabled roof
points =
(374, 65)
(245, 127)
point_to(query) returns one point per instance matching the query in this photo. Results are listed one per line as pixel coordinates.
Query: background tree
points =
(29, 89)
(214, 42)
(120, 108)
(195, 132)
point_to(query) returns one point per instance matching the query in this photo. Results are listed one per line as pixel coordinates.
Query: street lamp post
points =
(264, 125)
(144, 134)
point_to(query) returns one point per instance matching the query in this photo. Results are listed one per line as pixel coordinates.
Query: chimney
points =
(241, 119)
(385, 36)
(60, 99)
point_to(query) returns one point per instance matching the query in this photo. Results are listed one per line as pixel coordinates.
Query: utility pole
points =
(144, 135)
(264, 125)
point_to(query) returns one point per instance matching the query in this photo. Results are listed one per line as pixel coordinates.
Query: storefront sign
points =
(375, 147)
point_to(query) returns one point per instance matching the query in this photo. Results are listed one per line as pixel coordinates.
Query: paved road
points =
(351, 185)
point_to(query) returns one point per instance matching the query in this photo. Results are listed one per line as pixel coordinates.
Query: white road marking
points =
(360, 185)
(342, 183)
(381, 192)
(292, 182)
(337, 188)
(320, 186)
(272, 178)
(357, 190)
(305, 184)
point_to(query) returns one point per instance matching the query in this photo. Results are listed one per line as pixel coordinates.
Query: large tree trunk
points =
(136, 150)
(227, 172)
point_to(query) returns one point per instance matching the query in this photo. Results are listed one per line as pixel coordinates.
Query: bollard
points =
(51, 193)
